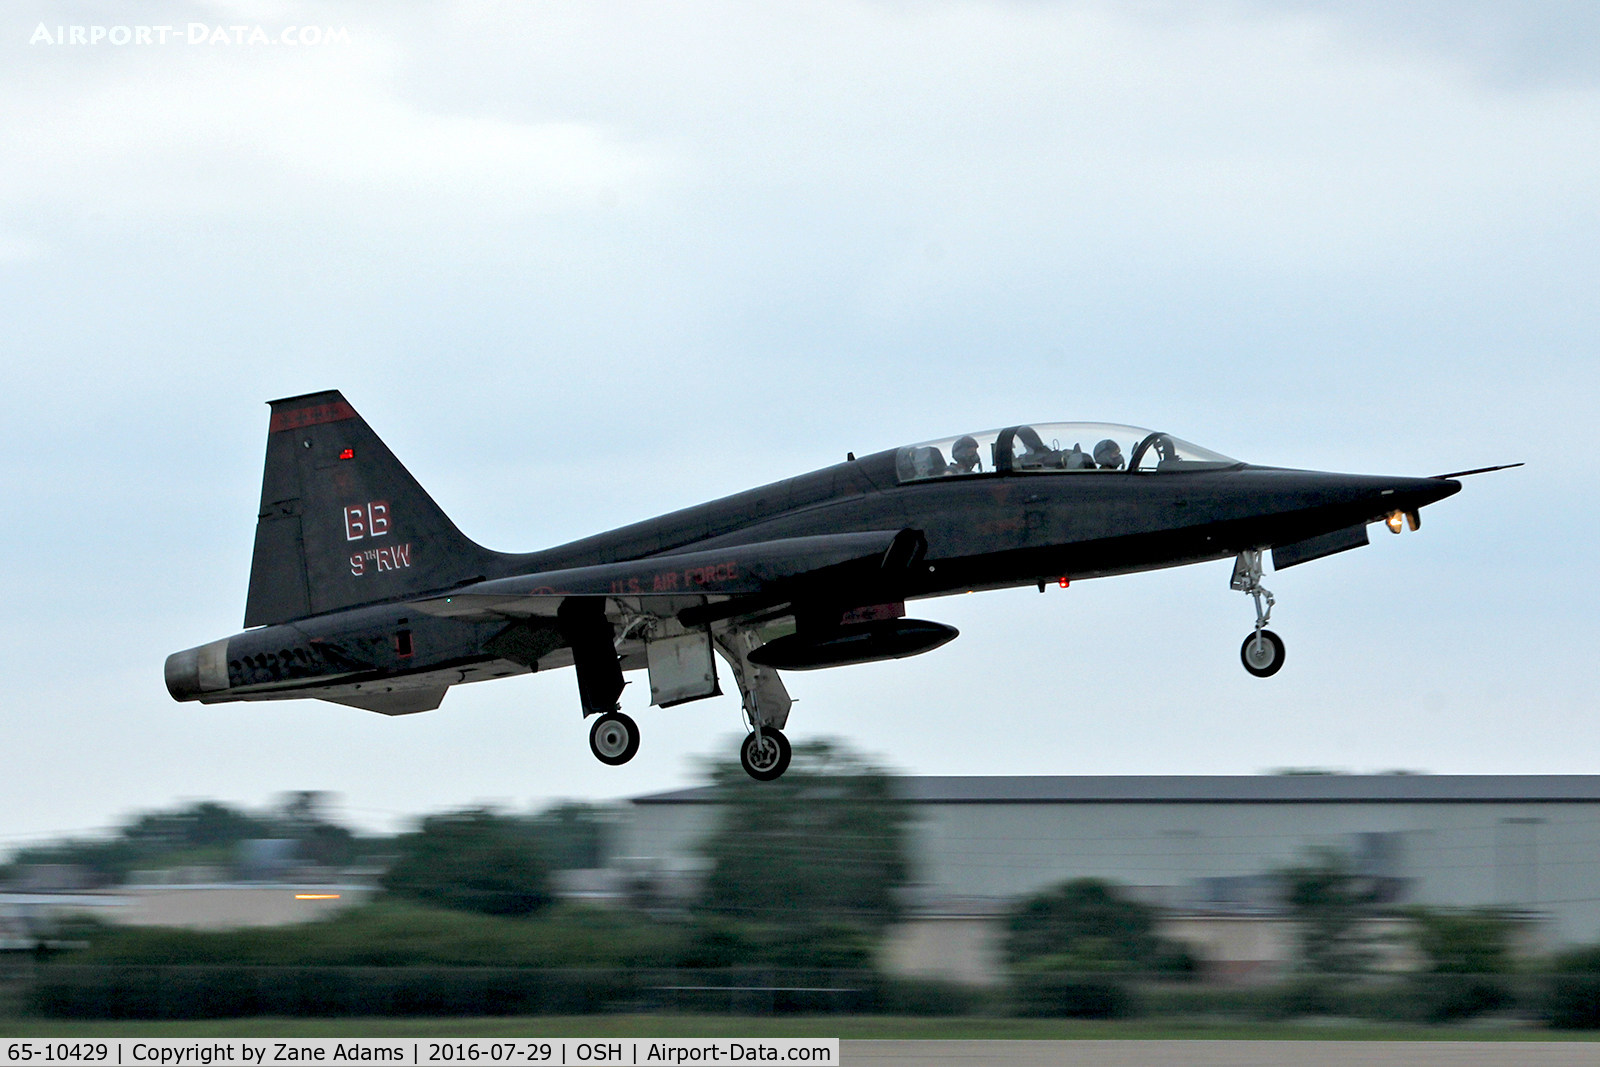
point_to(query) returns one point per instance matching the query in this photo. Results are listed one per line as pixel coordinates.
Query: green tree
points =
(108, 862)
(718, 941)
(823, 844)
(147, 838)
(1330, 904)
(573, 835)
(1574, 999)
(1477, 941)
(203, 832)
(202, 825)
(1084, 925)
(471, 860)
(1466, 952)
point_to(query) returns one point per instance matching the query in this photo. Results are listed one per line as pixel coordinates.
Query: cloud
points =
(19, 249)
(1012, 132)
(1041, 136)
(289, 135)
(1509, 43)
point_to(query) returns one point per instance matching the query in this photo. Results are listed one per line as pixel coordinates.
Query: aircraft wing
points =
(742, 577)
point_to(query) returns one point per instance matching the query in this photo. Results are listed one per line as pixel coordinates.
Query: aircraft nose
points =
(1411, 493)
(1401, 500)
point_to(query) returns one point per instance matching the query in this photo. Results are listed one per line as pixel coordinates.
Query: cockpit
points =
(1053, 448)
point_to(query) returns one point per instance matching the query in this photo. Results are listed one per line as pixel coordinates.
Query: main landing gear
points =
(765, 754)
(614, 738)
(1262, 651)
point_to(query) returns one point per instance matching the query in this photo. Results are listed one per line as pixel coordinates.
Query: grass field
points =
(857, 1027)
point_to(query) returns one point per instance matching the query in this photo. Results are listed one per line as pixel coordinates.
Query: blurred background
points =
(841, 889)
(581, 264)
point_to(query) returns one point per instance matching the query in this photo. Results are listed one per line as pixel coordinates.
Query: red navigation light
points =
(1063, 582)
(348, 453)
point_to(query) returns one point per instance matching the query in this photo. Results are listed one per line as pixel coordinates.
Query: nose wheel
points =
(765, 754)
(614, 738)
(1262, 651)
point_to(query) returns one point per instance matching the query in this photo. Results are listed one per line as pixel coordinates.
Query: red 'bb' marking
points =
(315, 415)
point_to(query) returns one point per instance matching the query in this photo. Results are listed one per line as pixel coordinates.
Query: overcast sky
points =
(582, 263)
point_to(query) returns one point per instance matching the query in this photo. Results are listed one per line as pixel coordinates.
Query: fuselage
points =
(989, 530)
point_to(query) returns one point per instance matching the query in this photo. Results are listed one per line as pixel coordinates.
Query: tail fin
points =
(342, 523)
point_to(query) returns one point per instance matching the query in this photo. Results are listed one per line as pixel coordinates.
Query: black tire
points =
(771, 761)
(1268, 661)
(614, 738)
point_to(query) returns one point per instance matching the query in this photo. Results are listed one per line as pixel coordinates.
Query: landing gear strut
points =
(614, 738)
(765, 752)
(1262, 651)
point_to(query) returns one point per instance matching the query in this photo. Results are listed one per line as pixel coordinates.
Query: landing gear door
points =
(682, 669)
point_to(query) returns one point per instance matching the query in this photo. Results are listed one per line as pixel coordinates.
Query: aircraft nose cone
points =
(1409, 494)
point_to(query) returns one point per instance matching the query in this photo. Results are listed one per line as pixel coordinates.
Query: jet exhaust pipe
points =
(195, 673)
(860, 643)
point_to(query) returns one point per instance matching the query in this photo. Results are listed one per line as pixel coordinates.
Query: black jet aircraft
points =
(362, 592)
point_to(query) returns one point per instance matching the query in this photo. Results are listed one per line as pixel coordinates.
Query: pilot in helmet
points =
(1108, 455)
(964, 456)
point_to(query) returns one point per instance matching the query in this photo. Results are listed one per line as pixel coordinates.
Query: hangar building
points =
(1206, 847)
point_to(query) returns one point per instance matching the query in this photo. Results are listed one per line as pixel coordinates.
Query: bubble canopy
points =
(1055, 448)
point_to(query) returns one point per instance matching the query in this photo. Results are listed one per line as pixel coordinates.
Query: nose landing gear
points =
(1262, 651)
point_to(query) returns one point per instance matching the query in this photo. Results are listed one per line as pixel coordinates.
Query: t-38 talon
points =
(364, 593)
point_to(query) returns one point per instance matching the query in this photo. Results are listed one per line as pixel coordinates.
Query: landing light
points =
(1395, 520)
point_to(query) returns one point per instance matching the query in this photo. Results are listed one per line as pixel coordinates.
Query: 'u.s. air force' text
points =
(672, 581)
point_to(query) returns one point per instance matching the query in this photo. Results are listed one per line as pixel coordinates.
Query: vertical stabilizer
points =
(342, 522)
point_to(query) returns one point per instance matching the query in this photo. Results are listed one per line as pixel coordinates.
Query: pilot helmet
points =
(964, 453)
(1108, 455)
